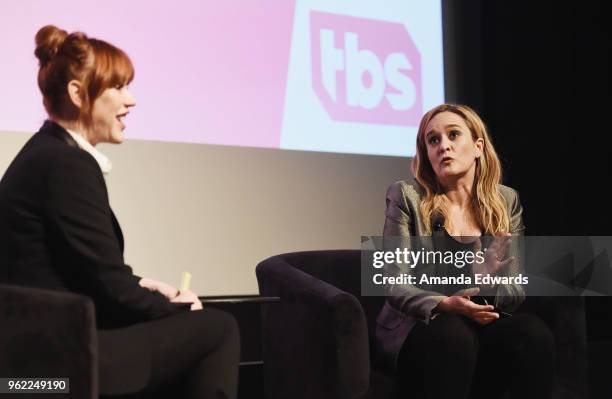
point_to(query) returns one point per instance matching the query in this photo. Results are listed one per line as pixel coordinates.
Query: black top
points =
(450, 243)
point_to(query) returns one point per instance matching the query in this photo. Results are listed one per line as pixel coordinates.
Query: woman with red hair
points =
(57, 231)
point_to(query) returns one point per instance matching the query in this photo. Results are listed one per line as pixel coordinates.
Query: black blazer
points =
(57, 231)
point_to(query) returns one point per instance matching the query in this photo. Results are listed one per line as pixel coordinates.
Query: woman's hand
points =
(173, 294)
(157, 286)
(460, 303)
(188, 296)
(494, 255)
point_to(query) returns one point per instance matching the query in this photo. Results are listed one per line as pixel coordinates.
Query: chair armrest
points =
(49, 334)
(315, 340)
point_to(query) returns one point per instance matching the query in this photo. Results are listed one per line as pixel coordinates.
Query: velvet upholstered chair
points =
(318, 340)
(49, 334)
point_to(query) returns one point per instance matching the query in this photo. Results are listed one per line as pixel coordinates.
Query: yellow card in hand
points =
(185, 281)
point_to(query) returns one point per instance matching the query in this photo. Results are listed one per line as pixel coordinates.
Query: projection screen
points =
(205, 181)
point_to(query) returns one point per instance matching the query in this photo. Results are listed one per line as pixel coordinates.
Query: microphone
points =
(438, 223)
(437, 233)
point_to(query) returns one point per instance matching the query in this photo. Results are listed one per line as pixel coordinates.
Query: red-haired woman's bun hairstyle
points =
(48, 41)
(64, 57)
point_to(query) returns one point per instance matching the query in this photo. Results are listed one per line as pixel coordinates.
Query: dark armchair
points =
(318, 340)
(49, 334)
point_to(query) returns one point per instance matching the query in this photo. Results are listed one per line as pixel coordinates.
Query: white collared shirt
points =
(105, 164)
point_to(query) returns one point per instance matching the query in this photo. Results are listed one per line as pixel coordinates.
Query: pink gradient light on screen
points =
(206, 71)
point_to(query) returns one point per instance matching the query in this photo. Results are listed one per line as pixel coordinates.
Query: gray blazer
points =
(406, 305)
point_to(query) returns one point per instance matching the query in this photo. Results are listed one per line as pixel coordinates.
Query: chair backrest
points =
(340, 268)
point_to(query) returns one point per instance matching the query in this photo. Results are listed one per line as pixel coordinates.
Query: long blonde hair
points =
(488, 205)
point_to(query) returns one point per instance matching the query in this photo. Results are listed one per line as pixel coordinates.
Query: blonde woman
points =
(445, 345)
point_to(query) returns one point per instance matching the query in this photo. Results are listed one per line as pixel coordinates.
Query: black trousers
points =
(193, 355)
(455, 357)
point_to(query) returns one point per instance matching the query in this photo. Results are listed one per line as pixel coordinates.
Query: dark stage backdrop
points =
(539, 74)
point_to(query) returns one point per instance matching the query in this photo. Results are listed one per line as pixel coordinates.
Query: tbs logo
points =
(365, 70)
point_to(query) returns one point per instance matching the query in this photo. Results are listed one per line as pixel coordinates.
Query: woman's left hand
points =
(494, 255)
(188, 296)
